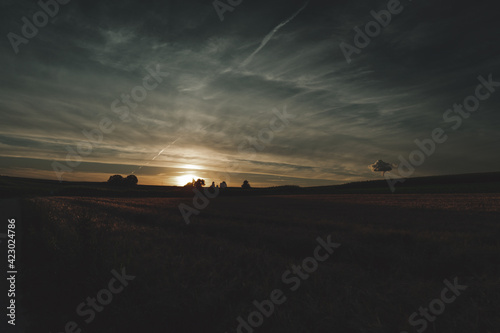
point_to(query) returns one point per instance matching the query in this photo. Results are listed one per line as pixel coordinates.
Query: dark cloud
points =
(65, 78)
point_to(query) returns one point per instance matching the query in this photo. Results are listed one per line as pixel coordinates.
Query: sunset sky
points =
(228, 80)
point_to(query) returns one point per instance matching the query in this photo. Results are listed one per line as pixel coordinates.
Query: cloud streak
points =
(348, 116)
(270, 35)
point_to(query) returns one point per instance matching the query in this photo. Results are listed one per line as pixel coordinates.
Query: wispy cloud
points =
(270, 35)
(223, 86)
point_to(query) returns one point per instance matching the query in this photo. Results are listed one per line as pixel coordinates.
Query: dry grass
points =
(396, 250)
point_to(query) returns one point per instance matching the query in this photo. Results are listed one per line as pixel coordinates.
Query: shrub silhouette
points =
(190, 184)
(196, 183)
(118, 180)
(246, 185)
(131, 180)
(115, 180)
(199, 183)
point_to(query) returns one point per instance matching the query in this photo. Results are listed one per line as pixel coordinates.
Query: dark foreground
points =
(396, 252)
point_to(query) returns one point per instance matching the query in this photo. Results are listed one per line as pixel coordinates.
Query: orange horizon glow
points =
(184, 179)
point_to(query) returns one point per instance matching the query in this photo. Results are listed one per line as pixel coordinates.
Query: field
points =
(395, 253)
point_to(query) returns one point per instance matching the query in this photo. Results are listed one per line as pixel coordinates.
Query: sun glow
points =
(192, 167)
(184, 179)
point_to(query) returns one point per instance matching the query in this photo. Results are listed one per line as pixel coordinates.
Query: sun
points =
(184, 179)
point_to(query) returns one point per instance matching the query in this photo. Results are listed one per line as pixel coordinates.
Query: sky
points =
(257, 90)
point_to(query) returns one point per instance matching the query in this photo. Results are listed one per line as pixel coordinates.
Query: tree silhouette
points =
(131, 180)
(199, 183)
(246, 185)
(118, 180)
(381, 166)
(115, 180)
(196, 183)
(190, 184)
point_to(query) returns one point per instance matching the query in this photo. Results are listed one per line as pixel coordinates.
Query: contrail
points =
(271, 34)
(246, 62)
(154, 158)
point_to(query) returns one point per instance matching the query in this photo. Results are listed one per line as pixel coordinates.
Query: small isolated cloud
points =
(381, 166)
